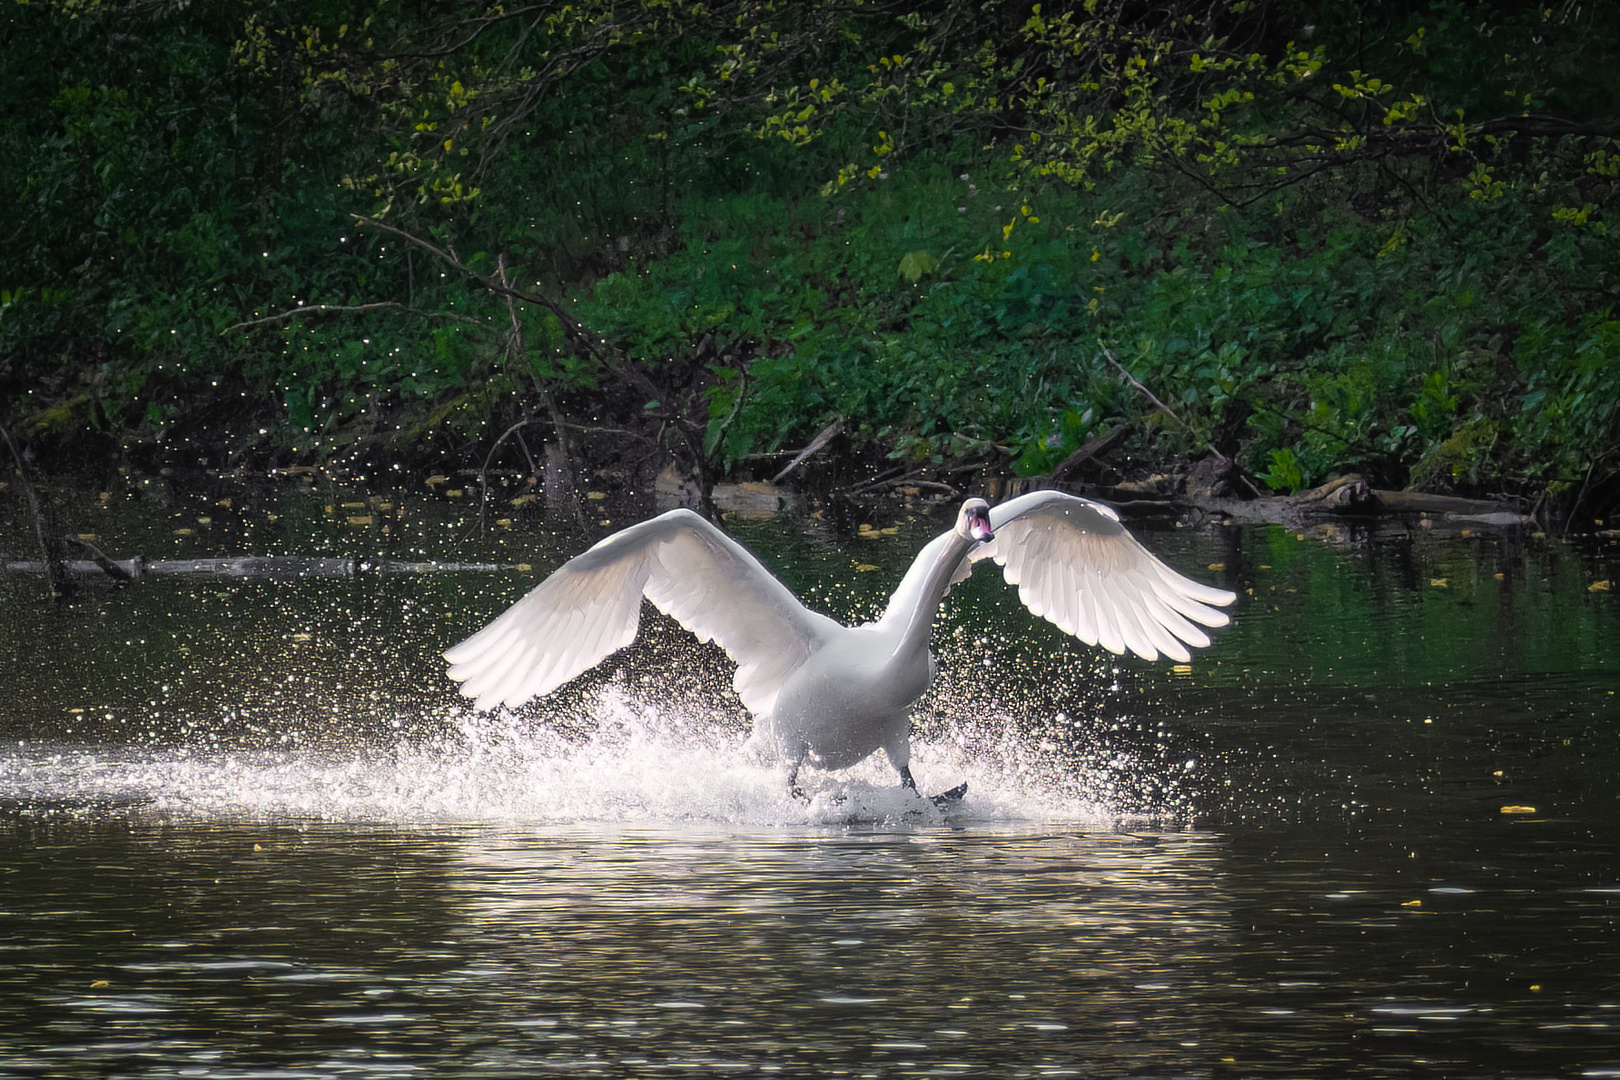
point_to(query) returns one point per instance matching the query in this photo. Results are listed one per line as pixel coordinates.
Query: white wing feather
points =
(591, 607)
(1076, 566)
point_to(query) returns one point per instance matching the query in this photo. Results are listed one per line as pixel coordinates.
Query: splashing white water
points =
(643, 762)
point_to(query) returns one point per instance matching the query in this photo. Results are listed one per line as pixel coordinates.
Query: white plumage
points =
(818, 690)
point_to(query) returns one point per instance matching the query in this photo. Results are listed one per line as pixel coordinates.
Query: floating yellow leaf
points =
(101, 983)
(205, 521)
(1181, 669)
(1413, 903)
(1599, 586)
(453, 493)
(185, 532)
(1217, 566)
(865, 567)
(1514, 808)
(87, 537)
(1439, 582)
(596, 494)
(435, 481)
(359, 519)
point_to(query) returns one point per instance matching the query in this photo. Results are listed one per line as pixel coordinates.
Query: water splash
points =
(639, 761)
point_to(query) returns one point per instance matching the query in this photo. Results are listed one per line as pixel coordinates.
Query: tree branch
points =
(351, 309)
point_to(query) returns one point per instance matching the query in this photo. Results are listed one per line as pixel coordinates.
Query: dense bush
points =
(1322, 236)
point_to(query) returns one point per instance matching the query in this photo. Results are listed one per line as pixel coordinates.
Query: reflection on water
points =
(616, 953)
(248, 829)
(236, 949)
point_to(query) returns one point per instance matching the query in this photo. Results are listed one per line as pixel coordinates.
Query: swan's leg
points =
(793, 774)
(898, 748)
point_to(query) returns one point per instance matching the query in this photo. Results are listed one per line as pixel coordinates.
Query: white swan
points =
(820, 691)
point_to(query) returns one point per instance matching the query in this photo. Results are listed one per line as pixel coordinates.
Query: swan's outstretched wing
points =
(1076, 566)
(591, 606)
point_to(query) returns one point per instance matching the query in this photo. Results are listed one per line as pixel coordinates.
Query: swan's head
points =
(973, 523)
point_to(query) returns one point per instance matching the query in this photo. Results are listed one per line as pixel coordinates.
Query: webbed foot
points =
(944, 798)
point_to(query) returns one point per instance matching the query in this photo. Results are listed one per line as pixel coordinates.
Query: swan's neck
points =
(910, 614)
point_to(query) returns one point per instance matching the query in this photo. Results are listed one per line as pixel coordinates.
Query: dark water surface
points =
(247, 829)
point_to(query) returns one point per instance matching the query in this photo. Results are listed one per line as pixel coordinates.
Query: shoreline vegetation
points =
(1258, 257)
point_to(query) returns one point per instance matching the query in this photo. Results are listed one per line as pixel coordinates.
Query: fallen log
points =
(1352, 497)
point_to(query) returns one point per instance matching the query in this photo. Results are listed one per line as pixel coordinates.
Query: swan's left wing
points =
(1077, 567)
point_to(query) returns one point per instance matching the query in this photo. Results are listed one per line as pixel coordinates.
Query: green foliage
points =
(1286, 473)
(1381, 247)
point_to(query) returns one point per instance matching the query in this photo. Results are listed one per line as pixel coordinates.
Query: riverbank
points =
(1315, 242)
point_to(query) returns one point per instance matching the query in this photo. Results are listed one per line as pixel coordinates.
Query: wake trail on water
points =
(642, 762)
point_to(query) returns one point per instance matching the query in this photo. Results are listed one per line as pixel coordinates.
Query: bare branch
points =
(822, 439)
(351, 309)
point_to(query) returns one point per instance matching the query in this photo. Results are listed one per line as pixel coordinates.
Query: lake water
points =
(248, 828)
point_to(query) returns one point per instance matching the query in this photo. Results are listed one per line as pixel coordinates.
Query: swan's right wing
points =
(1076, 566)
(591, 606)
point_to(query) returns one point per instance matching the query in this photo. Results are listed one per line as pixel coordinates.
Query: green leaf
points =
(917, 264)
